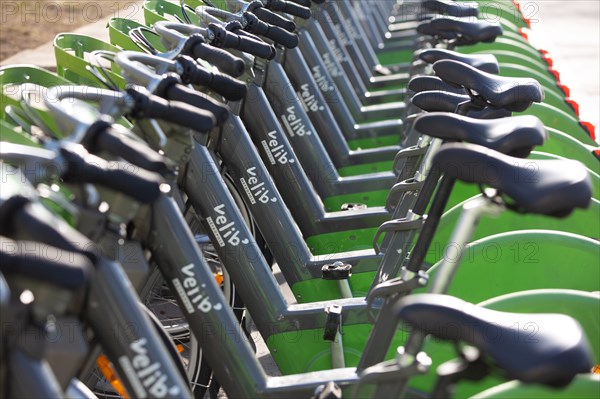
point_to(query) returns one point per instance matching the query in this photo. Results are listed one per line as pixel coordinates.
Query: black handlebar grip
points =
(304, 3)
(271, 18)
(289, 8)
(153, 106)
(226, 62)
(24, 220)
(230, 88)
(137, 183)
(278, 35)
(134, 152)
(177, 92)
(224, 38)
(70, 271)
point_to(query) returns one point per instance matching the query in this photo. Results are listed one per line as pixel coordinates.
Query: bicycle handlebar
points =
(24, 219)
(278, 35)
(150, 106)
(304, 3)
(230, 88)
(270, 17)
(102, 136)
(141, 185)
(224, 38)
(170, 89)
(196, 47)
(72, 273)
(297, 10)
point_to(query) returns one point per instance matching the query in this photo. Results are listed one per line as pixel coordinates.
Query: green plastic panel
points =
(583, 387)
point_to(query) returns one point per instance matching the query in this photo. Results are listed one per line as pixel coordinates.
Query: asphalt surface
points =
(570, 31)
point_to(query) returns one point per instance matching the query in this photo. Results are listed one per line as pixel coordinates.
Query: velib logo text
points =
(146, 376)
(255, 189)
(324, 84)
(294, 124)
(189, 292)
(330, 65)
(275, 151)
(309, 102)
(224, 230)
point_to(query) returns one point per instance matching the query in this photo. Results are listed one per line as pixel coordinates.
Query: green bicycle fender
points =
(509, 57)
(562, 144)
(582, 306)
(560, 120)
(55, 199)
(70, 48)
(553, 95)
(504, 44)
(118, 33)
(582, 387)
(158, 10)
(506, 11)
(517, 37)
(19, 74)
(583, 222)
(544, 77)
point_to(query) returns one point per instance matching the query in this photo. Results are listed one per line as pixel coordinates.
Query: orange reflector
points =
(565, 89)
(523, 32)
(111, 376)
(218, 277)
(546, 57)
(555, 73)
(596, 369)
(591, 129)
(573, 104)
(180, 348)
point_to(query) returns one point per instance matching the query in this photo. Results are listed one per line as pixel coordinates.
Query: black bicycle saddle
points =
(425, 28)
(438, 100)
(484, 62)
(465, 31)
(455, 9)
(516, 136)
(552, 352)
(547, 187)
(432, 83)
(443, 101)
(514, 94)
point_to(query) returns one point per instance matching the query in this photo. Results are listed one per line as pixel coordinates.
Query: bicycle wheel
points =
(157, 297)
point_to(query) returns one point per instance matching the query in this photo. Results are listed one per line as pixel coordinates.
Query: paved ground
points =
(570, 31)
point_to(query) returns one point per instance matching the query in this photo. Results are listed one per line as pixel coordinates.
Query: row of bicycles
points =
(414, 169)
